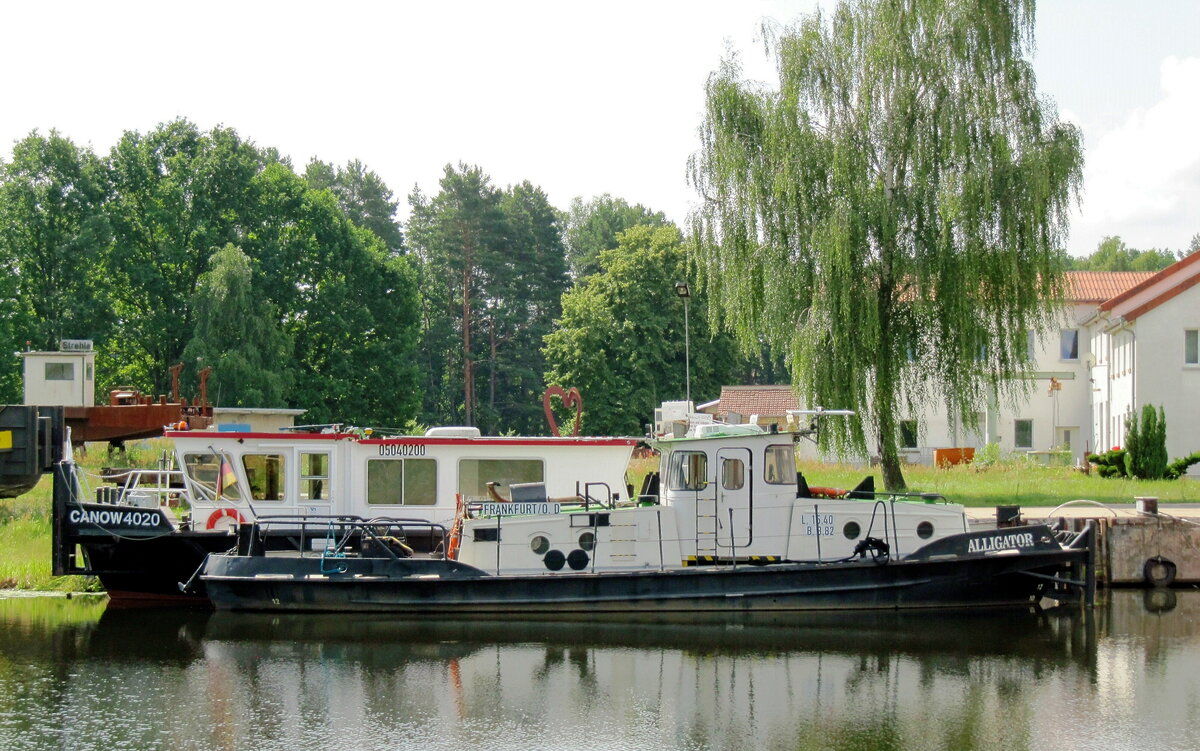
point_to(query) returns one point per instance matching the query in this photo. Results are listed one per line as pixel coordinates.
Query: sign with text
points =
(519, 509)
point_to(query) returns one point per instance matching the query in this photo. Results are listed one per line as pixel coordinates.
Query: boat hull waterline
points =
(444, 587)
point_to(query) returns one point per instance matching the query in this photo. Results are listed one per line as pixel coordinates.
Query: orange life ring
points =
(818, 492)
(215, 517)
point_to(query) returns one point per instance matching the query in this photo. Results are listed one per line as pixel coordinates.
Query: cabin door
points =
(735, 502)
(314, 482)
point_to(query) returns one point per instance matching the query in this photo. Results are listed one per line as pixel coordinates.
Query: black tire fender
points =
(1159, 571)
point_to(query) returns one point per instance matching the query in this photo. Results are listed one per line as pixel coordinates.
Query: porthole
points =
(587, 540)
(925, 530)
(851, 530)
(539, 545)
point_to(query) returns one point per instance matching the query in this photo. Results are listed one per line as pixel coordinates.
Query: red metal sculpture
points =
(570, 399)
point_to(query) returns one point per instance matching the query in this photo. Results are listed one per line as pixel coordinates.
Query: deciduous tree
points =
(593, 226)
(890, 215)
(178, 195)
(53, 237)
(348, 306)
(1114, 255)
(363, 196)
(238, 335)
(621, 337)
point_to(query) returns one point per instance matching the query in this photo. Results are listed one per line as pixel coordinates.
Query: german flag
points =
(226, 478)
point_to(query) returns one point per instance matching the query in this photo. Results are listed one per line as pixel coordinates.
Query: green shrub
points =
(1146, 444)
(1177, 468)
(1112, 463)
(1145, 454)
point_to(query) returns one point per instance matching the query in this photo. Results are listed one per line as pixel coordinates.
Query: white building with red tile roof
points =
(1127, 338)
(1145, 345)
(1123, 343)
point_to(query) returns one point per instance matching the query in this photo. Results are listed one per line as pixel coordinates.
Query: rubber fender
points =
(1159, 572)
(1159, 600)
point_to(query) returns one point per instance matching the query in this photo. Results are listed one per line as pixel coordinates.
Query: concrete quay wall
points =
(1136, 547)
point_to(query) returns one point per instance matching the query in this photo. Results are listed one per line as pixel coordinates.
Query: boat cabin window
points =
(402, 482)
(733, 474)
(475, 474)
(264, 474)
(779, 467)
(314, 476)
(689, 470)
(204, 469)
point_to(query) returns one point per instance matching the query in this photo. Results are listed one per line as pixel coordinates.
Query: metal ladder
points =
(706, 527)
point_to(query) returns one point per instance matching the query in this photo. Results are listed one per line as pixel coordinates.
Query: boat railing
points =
(142, 488)
(340, 536)
(606, 501)
(926, 497)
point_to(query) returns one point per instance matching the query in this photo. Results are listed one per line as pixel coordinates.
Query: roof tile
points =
(1098, 286)
(756, 400)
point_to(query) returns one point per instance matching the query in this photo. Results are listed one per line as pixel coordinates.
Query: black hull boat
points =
(130, 537)
(134, 571)
(971, 570)
(725, 524)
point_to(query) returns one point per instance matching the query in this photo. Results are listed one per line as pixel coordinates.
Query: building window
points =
(1023, 434)
(1065, 436)
(402, 482)
(1068, 344)
(1030, 344)
(908, 434)
(314, 476)
(60, 371)
(1191, 347)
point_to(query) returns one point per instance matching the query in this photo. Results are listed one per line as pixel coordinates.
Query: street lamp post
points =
(682, 290)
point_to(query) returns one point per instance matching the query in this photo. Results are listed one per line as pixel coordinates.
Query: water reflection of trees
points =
(848, 681)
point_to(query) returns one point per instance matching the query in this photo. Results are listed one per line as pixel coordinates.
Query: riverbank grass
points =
(25, 542)
(1001, 483)
(25, 536)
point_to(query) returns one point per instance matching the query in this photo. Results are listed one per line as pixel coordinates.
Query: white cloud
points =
(1142, 178)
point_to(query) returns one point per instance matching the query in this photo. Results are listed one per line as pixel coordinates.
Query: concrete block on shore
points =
(1153, 550)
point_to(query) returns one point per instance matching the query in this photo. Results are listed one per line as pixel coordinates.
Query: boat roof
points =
(210, 435)
(721, 432)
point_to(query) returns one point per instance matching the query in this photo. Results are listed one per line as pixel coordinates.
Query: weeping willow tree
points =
(890, 216)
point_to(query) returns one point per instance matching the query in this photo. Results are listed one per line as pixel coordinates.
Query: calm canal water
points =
(75, 674)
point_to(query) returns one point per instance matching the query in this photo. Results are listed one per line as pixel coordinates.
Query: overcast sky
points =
(579, 98)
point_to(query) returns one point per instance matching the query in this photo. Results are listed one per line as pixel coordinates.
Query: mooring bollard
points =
(1146, 504)
(1008, 516)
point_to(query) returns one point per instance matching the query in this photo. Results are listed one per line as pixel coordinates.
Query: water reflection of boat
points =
(1025, 633)
(722, 682)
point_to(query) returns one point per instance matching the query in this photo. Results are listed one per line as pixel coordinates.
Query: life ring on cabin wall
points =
(819, 492)
(217, 516)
